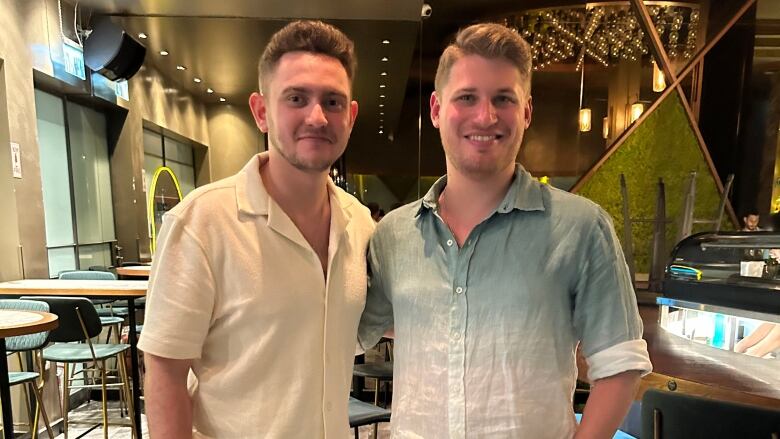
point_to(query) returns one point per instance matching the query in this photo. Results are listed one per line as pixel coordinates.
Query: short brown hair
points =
(307, 36)
(488, 40)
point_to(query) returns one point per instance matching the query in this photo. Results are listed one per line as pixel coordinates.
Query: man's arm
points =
(168, 404)
(608, 403)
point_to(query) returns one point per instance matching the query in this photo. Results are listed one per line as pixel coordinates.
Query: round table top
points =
(134, 271)
(17, 322)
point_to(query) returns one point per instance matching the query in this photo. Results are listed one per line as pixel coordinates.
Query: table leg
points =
(132, 337)
(5, 394)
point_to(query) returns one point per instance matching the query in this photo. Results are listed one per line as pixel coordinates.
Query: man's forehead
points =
(308, 70)
(470, 71)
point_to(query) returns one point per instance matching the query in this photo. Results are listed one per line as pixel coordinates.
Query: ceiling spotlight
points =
(142, 36)
(180, 67)
(164, 52)
(381, 113)
(381, 105)
(222, 99)
(380, 131)
(382, 86)
(381, 96)
(208, 90)
(383, 74)
(384, 59)
(385, 41)
(196, 80)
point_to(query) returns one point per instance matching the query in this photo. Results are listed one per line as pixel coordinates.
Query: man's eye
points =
(466, 98)
(296, 99)
(334, 104)
(504, 100)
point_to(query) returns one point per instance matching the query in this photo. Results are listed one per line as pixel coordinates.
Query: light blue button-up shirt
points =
(486, 333)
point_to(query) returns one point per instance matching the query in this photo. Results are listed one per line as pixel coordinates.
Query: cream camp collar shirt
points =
(235, 286)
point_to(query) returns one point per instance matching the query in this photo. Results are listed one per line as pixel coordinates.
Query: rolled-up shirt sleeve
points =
(605, 316)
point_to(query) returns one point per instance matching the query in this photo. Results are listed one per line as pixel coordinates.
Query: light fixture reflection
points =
(659, 82)
(636, 111)
(605, 128)
(585, 117)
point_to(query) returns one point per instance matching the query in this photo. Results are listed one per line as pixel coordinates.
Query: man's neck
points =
(299, 193)
(475, 196)
(467, 200)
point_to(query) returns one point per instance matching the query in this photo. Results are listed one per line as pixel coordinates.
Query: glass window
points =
(177, 151)
(81, 184)
(91, 175)
(94, 255)
(186, 176)
(61, 259)
(152, 143)
(55, 176)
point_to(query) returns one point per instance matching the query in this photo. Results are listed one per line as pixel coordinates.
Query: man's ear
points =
(435, 109)
(353, 112)
(257, 104)
(529, 109)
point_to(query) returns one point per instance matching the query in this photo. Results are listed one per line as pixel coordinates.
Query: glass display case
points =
(723, 290)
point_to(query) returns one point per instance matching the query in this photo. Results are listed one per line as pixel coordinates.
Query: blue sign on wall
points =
(73, 55)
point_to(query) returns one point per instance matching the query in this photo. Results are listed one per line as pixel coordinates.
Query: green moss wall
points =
(663, 146)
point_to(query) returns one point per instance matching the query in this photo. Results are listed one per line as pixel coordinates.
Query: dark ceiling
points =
(220, 41)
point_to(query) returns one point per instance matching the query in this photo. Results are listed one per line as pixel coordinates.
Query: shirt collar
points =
(253, 199)
(525, 193)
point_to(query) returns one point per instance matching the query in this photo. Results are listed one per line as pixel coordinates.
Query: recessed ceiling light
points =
(381, 96)
(385, 41)
(381, 105)
(180, 67)
(208, 90)
(381, 113)
(383, 74)
(380, 131)
(196, 80)
(222, 99)
(142, 36)
(381, 127)
(382, 86)
(164, 52)
(384, 59)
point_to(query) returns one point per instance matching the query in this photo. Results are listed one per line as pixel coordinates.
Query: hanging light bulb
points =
(659, 81)
(585, 119)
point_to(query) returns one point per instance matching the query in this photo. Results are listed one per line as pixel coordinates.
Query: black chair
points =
(79, 322)
(671, 415)
(362, 413)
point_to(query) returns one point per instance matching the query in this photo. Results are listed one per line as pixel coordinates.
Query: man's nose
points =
(316, 117)
(486, 113)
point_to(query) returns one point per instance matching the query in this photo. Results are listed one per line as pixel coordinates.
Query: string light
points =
(605, 34)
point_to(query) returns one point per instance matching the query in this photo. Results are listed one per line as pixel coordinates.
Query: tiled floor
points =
(91, 412)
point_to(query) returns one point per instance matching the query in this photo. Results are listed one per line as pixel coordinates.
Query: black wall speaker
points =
(110, 51)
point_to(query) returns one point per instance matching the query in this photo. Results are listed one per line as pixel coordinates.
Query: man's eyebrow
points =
(306, 90)
(509, 90)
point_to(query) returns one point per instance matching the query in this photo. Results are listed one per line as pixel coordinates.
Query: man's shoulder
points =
(207, 197)
(400, 218)
(569, 207)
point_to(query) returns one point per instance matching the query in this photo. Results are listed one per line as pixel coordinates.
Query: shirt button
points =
(459, 290)
(328, 406)
(456, 336)
(449, 243)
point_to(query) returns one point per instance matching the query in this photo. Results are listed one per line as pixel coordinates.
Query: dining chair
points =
(79, 322)
(29, 343)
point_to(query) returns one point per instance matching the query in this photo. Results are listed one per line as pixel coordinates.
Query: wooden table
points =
(139, 271)
(127, 290)
(685, 366)
(13, 323)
